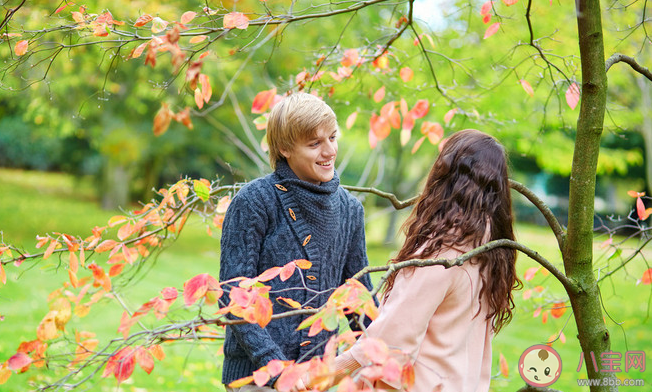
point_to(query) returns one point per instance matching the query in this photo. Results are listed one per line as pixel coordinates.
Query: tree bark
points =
(578, 249)
(646, 127)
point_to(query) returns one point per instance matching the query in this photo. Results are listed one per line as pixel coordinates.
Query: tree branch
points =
(618, 57)
(398, 204)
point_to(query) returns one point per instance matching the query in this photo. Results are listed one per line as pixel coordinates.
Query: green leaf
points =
(201, 190)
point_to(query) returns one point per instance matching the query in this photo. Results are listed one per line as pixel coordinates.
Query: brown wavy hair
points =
(467, 188)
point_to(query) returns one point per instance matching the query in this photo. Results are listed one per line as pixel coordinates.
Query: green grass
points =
(34, 203)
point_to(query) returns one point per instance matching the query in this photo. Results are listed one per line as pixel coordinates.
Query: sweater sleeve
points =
(357, 257)
(404, 317)
(243, 232)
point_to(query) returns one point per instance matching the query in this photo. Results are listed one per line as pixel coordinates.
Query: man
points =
(297, 212)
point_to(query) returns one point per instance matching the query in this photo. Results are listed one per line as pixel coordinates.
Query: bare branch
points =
(10, 13)
(618, 57)
(398, 204)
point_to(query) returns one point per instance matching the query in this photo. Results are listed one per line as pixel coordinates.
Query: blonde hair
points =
(297, 117)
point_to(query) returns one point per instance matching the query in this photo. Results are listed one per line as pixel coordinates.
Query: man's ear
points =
(286, 153)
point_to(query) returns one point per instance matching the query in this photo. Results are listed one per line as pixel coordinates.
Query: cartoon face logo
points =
(540, 365)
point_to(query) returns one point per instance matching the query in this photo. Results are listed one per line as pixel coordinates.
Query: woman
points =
(444, 319)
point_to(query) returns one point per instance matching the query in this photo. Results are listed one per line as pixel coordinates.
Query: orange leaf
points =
(290, 376)
(241, 382)
(406, 74)
(199, 98)
(187, 17)
(116, 220)
(21, 47)
(635, 194)
(157, 352)
(573, 95)
(162, 120)
(145, 360)
(504, 368)
(261, 377)
(381, 62)
(407, 375)
(350, 58)
(647, 276)
(527, 294)
(143, 20)
(287, 271)
(420, 109)
(379, 94)
(510, 2)
(195, 288)
(269, 274)
(263, 100)
(116, 269)
(418, 144)
(379, 126)
(50, 249)
(390, 112)
(3, 275)
(4, 375)
(105, 246)
(207, 91)
(236, 20)
(527, 87)
(434, 131)
(262, 311)
(558, 309)
(294, 304)
(197, 39)
(449, 115)
(537, 312)
(491, 30)
(47, 328)
(544, 317)
(303, 264)
(351, 120)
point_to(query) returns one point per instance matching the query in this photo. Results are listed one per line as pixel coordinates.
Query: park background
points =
(77, 147)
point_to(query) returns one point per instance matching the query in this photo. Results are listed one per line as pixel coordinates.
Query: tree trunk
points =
(578, 246)
(115, 186)
(646, 127)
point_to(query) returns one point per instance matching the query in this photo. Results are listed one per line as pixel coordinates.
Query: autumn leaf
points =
(261, 377)
(18, 361)
(434, 131)
(125, 364)
(527, 294)
(105, 246)
(375, 350)
(157, 352)
(449, 115)
(162, 120)
(406, 74)
(292, 303)
(21, 47)
(381, 62)
(196, 287)
(145, 360)
(143, 20)
(486, 8)
(504, 368)
(3, 275)
(290, 376)
(647, 277)
(530, 272)
(544, 317)
(373, 139)
(197, 39)
(52, 247)
(187, 17)
(527, 87)
(201, 190)
(510, 2)
(558, 309)
(379, 94)
(418, 144)
(635, 194)
(351, 120)
(642, 213)
(350, 58)
(537, 312)
(573, 95)
(47, 328)
(303, 263)
(223, 204)
(207, 91)
(491, 30)
(263, 100)
(241, 382)
(420, 108)
(379, 126)
(287, 271)
(158, 25)
(390, 112)
(236, 20)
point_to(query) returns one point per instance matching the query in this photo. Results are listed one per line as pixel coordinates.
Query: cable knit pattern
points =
(270, 222)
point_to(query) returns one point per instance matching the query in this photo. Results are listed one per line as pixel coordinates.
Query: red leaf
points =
(643, 214)
(61, 8)
(529, 274)
(491, 30)
(510, 2)
(236, 20)
(544, 317)
(269, 274)
(434, 131)
(124, 365)
(449, 115)
(241, 297)
(504, 368)
(420, 109)
(647, 276)
(263, 100)
(379, 94)
(143, 20)
(406, 74)
(486, 8)
(527, 87)
(351, 120)
(486, 19)
(21, 47)
(18, 361)
(573, 95)
(287, 271)
(558, 309)
(195, 288)
(290, 376)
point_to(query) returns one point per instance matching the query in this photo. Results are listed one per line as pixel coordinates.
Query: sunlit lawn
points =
(37, 203)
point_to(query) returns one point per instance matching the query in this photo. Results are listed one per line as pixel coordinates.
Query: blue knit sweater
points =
(270, 222)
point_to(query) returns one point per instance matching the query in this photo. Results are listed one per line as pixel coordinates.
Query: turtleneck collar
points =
(287, 176)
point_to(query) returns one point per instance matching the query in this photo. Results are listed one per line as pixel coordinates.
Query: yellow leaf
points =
(21, 47)
(197, 39)
(187, 17)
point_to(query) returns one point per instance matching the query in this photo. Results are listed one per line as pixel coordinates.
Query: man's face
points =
(313, 160)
